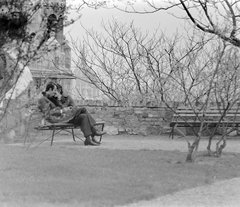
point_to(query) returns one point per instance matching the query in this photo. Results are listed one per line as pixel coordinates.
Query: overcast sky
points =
(92, 18)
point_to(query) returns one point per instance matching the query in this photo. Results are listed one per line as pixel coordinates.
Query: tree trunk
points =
(192, 150)
(219, 149)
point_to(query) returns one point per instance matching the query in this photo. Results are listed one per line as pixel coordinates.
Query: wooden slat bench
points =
(68, 127)
(212, 117)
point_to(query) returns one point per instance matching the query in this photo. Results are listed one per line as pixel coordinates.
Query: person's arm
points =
(68, 101)
(44, 104)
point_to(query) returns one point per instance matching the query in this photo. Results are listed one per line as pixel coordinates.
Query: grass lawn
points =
(79, 176)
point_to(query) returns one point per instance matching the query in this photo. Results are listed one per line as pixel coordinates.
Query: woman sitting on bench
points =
(56, 98)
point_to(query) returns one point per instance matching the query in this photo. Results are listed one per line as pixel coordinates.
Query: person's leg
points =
(82, 120)
(92, 123)
(91, 119)
(94, 131)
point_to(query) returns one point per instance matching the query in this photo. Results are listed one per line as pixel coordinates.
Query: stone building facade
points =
(54, 64)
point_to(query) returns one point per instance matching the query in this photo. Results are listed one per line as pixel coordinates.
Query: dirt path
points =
(149, 143)
(220, 194)
(163, 143)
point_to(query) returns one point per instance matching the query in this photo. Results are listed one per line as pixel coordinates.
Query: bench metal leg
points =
(172, 133)
(73, 135)
(102, 130)
(53, 133)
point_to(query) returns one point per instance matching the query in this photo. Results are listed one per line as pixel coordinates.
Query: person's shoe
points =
(88, 141)
(94, 140)
(99, 133)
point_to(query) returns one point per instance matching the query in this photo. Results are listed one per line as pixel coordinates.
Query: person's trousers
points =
(85, 121)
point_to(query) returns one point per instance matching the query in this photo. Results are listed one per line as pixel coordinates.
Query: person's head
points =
(59, 88)
(50, 87)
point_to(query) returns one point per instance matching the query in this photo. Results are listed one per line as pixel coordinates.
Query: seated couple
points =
(55, 103)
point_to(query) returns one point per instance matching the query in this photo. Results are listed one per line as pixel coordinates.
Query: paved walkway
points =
(220, 194)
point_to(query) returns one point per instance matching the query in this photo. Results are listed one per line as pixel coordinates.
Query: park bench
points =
(56, 128)
(213, 117)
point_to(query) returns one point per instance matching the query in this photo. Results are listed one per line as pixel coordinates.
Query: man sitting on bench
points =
(55, 98)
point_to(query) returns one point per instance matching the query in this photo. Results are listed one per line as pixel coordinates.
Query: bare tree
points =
(192, 74)
(220, 18)
(18, 43)
(119, 62)
(25, 36)
(226, 92)
(127, 65)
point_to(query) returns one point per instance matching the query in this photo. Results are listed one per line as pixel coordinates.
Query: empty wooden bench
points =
(210, 118)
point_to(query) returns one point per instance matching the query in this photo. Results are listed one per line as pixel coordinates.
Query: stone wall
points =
(135, 119)
(141, 119)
